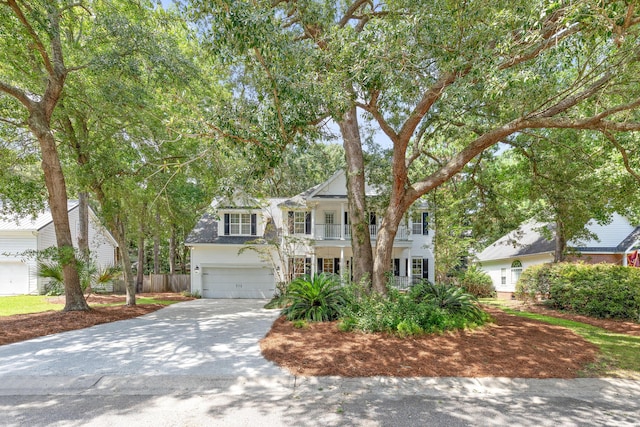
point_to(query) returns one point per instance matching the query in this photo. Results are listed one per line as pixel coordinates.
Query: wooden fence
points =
(159, 283)
(166, 283)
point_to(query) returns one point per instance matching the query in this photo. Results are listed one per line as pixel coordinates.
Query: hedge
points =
(600, 290)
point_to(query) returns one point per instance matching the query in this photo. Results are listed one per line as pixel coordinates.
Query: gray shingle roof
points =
(28, 223)
(529, 240)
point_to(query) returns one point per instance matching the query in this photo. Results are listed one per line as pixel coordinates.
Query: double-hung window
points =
(299, 222)
(420, 223)
(240, 224)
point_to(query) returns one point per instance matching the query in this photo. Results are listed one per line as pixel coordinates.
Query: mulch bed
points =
(510, 347)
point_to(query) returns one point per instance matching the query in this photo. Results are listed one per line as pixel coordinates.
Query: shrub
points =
(477, 283)
(410, 314)
(316, 299)
(535, 282)
(601, 290)
(280, 298)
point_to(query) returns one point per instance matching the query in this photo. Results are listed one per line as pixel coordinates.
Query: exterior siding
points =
(494, 270)
(12, 244)
(203, 256)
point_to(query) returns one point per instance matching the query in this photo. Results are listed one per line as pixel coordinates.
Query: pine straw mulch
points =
(22, 327)
(510, 347)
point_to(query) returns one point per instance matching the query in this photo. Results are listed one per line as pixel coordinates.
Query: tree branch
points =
(17, 93)
(32, 33)
(623, 153)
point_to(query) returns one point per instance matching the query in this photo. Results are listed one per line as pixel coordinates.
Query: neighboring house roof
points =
(29, 223)
(525, 240)
(528, 239)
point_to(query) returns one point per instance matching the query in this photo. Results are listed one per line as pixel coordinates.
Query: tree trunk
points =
(360, 237)
(561, 242)
(172, 251)
(123, 247)
(83, 225)
(56, 187)
(156, 247)
(141, 257)
(384, 247)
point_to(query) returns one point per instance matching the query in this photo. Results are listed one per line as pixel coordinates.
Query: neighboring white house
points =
(19, 274)
(313, 233)
(505, 259)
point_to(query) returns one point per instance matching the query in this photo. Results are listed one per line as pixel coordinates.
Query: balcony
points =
(333, 232)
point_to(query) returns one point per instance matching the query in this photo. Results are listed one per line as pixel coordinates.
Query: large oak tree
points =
(453, 77)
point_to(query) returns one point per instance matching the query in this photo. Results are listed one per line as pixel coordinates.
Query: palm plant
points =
(319, 298)
(90, 276)
(453, 299)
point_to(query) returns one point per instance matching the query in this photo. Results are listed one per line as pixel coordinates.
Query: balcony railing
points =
(332, 232)
(404, 283)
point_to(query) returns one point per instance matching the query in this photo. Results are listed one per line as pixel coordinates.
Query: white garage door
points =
(237, 283)
(14, 278)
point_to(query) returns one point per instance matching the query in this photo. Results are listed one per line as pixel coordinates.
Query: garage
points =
(237, 282)
(14, 278)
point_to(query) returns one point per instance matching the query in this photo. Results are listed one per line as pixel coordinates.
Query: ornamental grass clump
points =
(316, 299)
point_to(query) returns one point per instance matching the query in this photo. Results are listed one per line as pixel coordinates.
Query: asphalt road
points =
(198, 364)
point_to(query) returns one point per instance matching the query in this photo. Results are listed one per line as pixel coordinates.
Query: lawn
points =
(620, 353)
(26, 304)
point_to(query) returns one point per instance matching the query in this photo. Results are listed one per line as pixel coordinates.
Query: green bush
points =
(535, 282)
(601, 290)
(477, 283)
(316, 299)
(411, 314)
(280, 298)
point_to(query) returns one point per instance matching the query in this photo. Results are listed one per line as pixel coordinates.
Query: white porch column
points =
(342, 266)
(314, 264)
(341, 222)
(313, 223)
(409, 265)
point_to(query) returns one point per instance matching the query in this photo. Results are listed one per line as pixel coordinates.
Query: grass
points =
(26, 304)
(619, 353)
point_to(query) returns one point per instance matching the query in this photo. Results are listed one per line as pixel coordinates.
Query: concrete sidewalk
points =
(199, 363)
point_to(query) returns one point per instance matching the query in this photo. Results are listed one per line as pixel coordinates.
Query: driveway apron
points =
(201, 337)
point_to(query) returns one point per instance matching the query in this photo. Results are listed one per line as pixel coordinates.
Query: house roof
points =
(30, 223)
(528, 239)
(206, 229)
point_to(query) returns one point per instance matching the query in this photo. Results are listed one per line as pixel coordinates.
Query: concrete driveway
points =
(200, 337)
(198, 363)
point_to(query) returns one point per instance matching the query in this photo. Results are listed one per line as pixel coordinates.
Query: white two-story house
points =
(243, 246)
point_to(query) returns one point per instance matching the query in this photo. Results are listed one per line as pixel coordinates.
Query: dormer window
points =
(239, 224)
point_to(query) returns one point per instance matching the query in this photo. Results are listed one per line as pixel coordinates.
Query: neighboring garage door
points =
(14, 278)
(237, 282)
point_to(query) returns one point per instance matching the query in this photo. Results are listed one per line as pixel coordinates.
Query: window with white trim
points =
(240, 224)
(503, 276)
(516, 271)
(416, 267)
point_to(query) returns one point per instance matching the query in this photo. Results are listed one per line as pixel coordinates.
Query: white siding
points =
(494, 269)
(205, 256)
(11, 245)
